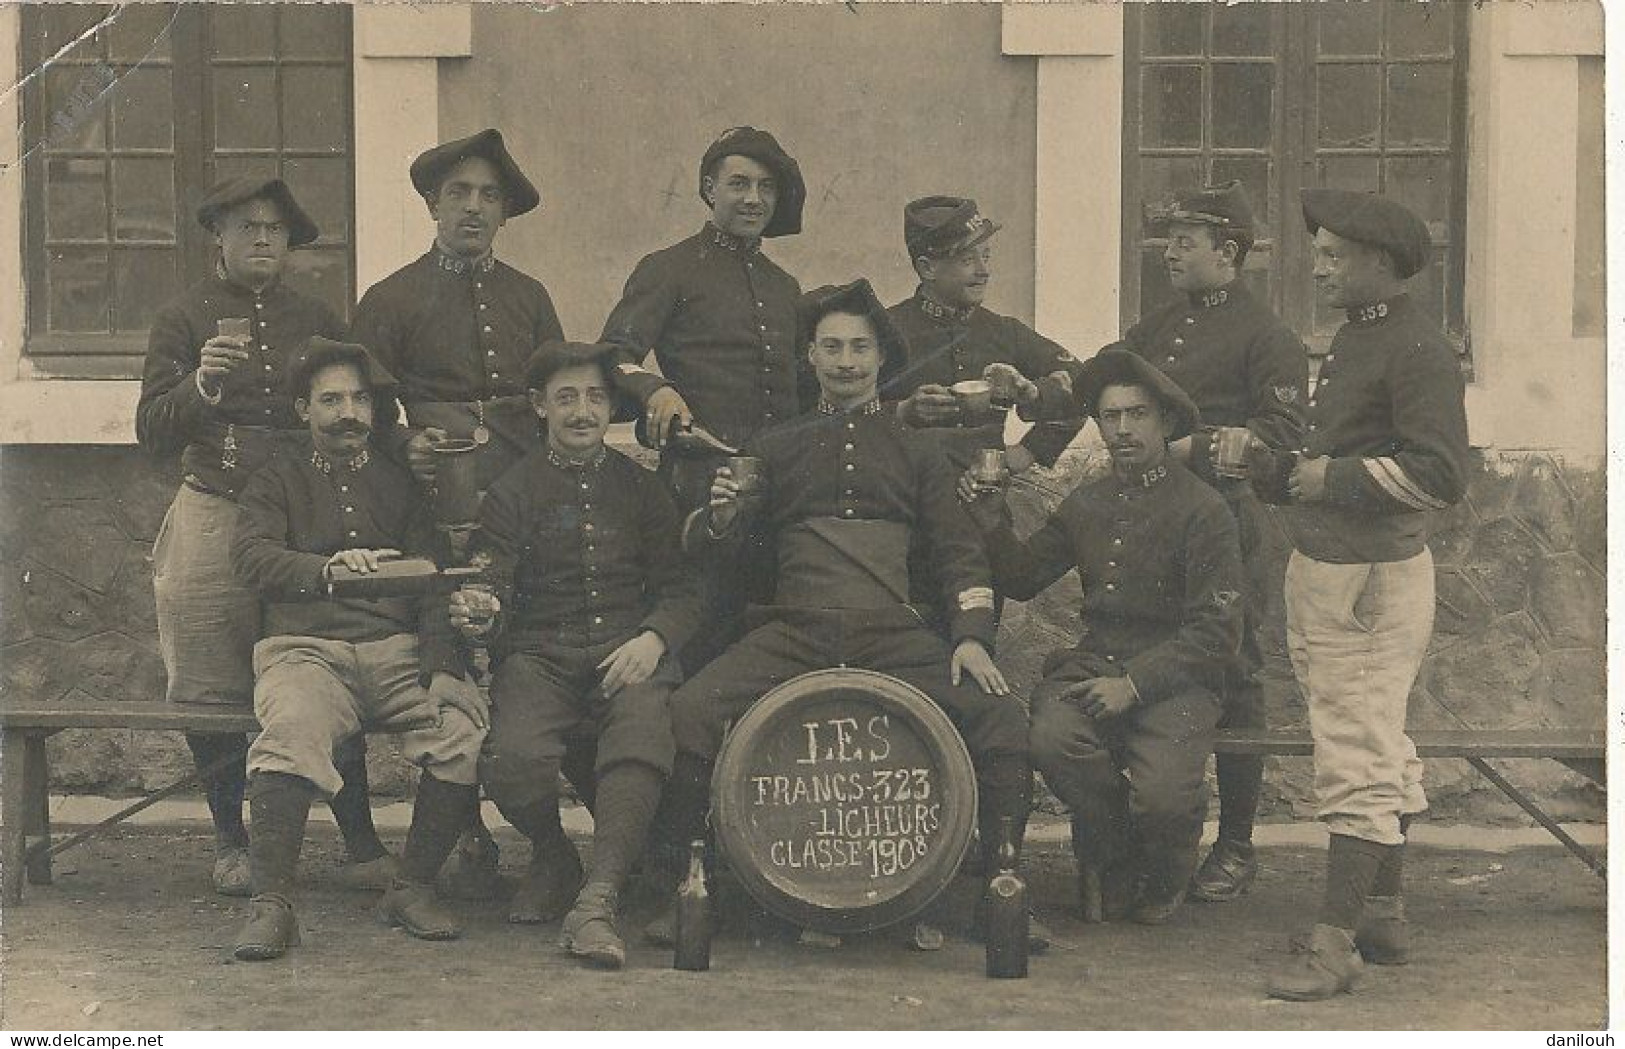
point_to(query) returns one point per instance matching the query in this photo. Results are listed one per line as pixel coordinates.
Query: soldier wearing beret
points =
(854, 503)
(720, 318)
(219, 400)
(953, 338)
(457, 327)
(1246, 369)
(1386, 446)
(330, 667)
(596, 598)
(1157, 553)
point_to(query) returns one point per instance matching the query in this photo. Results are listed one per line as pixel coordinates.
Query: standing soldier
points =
(952, 338)
(1386, 444)
(456, 328)
(1244, 369)
(720, 318)
(216, 396)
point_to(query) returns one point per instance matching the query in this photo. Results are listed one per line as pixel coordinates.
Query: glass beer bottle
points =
(693, 950)
(1007, 912)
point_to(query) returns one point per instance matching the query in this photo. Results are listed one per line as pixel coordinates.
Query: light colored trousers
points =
(1357, 634)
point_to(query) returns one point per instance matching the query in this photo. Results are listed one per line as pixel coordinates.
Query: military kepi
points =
(1118, 365)
(765, 150)
(1223, 206)
(320, 351)
(940, 226)
(228, 193)
(1371, 219)
(429, 169)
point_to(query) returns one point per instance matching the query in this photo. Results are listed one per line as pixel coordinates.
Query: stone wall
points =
(1519, 638)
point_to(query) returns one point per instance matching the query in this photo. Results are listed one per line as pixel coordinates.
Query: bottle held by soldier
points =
(693, 952)
(1007, 912)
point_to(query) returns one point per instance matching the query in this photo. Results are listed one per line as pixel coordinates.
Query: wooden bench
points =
(1580, 749)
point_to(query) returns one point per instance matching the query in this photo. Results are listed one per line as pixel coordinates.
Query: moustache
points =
(347, 427)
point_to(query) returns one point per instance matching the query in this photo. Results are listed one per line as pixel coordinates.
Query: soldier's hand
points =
(420, 453)
(724, 500)
(972, 657)
(219, 357)
(473, 612)
(633, 662)
(1104, 697)
(930, 405)
(1010, 385)
(447, 691)
(358, 560)
(666, 412)
(1308, 481)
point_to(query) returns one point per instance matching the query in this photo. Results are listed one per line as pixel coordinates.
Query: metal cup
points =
(975, 399)
(1230, 444)
(456, 481)
(747, 473)
(482, 606)
(989, 471)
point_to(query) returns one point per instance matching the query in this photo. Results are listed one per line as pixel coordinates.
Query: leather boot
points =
(272, 928)
(550, 885)
(1227, 873)
(1321, 965)
(590, 931)
(1384, 937)
(412, 906)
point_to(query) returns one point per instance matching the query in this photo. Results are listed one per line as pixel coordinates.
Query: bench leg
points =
(1598, 867)
(13, 832)
(36, 809)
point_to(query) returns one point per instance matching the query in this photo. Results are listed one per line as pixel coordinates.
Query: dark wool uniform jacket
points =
(1389, 411)
(172, 416)
(947, 346)
(586, 555)
(1235, 358)
(293, 517)
(720, 318)
(867, 465)
(1161, 570)
(452, 330)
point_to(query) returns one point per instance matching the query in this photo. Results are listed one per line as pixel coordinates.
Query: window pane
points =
(61, 24)
(144, 109)
(1356, 173)
(1154, 286)
(314, 108)
(1419, 29)
(144, 194)
(145, 279)
(76, 293)
(323, 273)
(235, 167)
(1171, 106)
(1255, 272)
(75, 199)
(1418, 105)
(322, 187)
(244, 30)
(1243, 29)
(140, 33)
(1162, 177)
(1348, 28)
(1347, 105)
(245, 106)
(314, 30)
(1243, 104)
(1171, 29)
(76, 108)
(1254, 174)
(1423, 185)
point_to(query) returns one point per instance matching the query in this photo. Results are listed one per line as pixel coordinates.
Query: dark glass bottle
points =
(1007, 912)
(693, 953)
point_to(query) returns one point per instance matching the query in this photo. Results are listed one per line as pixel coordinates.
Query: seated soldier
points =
(582, 545)
(853, 502)
(1161, 568)
(328, 669)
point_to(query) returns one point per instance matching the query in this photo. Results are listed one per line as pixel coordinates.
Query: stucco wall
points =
(609, 108)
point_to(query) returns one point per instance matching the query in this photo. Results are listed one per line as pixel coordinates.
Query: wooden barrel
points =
(844, 800)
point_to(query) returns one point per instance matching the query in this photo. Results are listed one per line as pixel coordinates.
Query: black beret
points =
(764, 149)
(555, 355)
(430, 168)
(319, 351)
(1223, 207)
(859, 299)
(1371, 219)
(940, 226)
(1118, 365)
(228, 193)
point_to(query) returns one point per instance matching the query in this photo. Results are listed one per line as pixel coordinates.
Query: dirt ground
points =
(129, 938)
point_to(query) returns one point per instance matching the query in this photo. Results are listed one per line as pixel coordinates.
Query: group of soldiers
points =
(627, 616)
